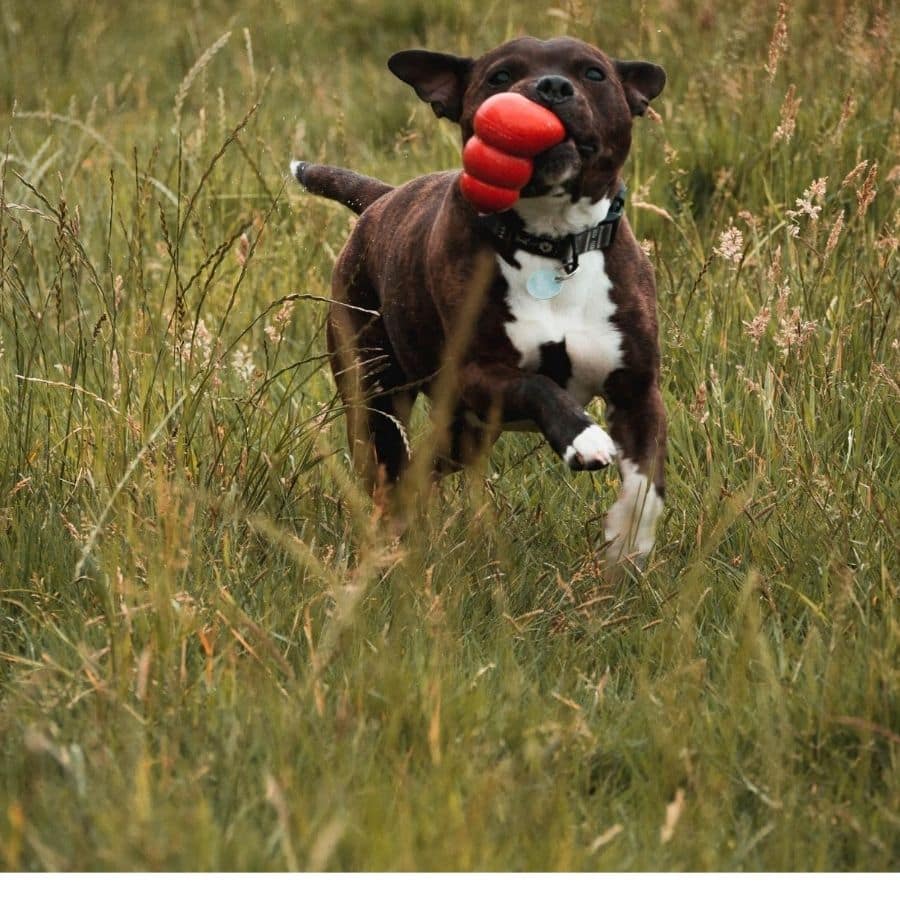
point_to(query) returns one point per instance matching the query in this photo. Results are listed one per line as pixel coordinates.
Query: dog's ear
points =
(642, 82)
(438, 78)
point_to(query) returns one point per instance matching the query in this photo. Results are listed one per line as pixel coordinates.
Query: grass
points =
(212, 656)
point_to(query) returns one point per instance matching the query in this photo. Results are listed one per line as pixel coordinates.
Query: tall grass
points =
(214, 655)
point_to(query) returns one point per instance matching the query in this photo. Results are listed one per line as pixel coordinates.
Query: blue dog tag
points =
(543, 284)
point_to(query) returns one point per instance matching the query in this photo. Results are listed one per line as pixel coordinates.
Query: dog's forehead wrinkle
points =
(555, 51)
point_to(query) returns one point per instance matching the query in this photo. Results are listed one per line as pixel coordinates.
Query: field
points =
(213, 654)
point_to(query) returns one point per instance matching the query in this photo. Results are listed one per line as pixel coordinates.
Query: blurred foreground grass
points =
(211, 656)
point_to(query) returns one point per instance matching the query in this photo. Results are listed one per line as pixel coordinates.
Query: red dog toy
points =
(509, 131)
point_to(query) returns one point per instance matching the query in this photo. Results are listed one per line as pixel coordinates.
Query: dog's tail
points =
(357, 192)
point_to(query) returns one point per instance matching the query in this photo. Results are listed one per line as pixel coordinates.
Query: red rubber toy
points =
(509, 130)
(493, 166)
(485, 197)
(515, 124)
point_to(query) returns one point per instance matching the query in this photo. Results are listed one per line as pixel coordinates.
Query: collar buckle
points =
(570, 265)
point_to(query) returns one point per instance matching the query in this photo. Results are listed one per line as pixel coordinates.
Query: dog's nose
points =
(554, 89)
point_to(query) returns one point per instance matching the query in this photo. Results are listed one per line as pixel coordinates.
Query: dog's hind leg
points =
(372, 386)
(465, 443)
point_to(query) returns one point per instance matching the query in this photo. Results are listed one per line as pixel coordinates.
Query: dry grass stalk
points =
(248, 43)
(731, 246)
(779, 41)
(789, 108)
(854, 173)
(794, 332)
(203, 61)
(275, 797)
(835, 234)
(699, 409)
(325, 844)
(673, 814)
(651, 207)
(756, 328)
(602, 840)
(866, 194)
(848, 110)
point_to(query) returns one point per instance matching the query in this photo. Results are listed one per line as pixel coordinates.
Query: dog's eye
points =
(499, 78)
(595, 74)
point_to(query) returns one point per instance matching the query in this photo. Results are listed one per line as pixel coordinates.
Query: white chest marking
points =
(579, 314)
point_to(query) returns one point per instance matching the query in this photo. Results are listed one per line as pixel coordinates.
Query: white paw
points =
(592, 449)
(631, 523)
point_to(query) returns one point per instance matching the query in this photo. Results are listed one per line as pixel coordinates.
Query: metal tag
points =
(543, 284)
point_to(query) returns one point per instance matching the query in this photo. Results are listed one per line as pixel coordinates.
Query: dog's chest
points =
(569, 337)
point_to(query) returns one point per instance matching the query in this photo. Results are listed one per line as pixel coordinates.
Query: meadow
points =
(213, 654)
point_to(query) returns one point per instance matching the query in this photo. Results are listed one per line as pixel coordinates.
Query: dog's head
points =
(595, 98)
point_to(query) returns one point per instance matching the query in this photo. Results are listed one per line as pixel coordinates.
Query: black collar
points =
(510, 234)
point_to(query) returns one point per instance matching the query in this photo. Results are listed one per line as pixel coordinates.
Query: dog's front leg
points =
(497, 392)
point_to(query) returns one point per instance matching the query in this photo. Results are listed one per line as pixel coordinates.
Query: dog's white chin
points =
(557, 214)
(547, 182)
(561, 185)
(558, 186)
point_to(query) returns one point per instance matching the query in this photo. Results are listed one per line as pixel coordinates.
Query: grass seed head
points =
(866, 194)
(731, 246)
(779, 41)
(788, 116)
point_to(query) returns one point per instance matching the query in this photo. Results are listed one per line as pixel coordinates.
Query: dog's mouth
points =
(556, 168)
(584, 141)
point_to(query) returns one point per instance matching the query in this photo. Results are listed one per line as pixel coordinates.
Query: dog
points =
(542, 308)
